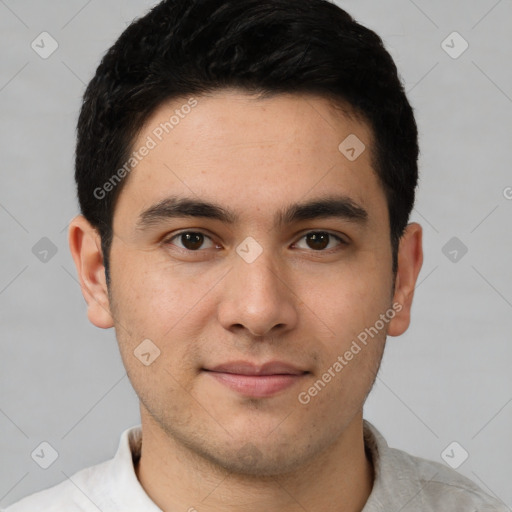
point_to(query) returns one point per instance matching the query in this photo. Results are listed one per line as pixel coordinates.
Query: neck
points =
(176, 479)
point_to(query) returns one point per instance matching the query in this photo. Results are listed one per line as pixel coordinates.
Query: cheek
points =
(153, 294)
(348, 300)
(340, 388)
(157, 302)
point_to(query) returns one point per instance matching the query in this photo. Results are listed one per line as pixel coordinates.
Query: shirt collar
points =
(392, 478)
(129, 493)
(395, 476)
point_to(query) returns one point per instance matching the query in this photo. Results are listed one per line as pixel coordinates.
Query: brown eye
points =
(190, 240)
(320, 240)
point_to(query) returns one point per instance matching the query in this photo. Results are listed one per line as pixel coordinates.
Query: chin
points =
(252, 462)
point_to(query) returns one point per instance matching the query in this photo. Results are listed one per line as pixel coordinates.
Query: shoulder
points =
(417, 484)
(73, 494)
(110, 485)
(443, 488)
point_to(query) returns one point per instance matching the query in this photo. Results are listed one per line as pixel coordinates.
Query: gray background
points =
(447, 379)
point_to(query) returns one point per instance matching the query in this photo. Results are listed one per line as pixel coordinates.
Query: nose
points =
(258, 298)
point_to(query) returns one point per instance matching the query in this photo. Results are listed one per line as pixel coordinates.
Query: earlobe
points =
(85, 246)
(410, 260)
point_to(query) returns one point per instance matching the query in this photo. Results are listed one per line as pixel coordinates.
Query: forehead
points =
(251, 153)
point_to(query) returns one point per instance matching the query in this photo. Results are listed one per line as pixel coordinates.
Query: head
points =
(246, 170)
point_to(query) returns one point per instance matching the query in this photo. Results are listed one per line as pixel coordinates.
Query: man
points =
(245, 171)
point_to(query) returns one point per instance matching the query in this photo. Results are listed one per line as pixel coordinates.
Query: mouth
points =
(257, 381)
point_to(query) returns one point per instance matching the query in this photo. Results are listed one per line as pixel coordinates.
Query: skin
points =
(295, 303)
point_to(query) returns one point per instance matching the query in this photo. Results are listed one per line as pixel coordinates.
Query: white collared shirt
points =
(402, 483)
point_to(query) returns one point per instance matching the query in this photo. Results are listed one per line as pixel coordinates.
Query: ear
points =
(410, 260)
(85, 246)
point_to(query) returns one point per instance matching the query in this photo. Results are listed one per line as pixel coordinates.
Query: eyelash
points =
(341, 241)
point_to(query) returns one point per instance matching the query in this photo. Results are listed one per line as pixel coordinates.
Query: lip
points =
(248, 368)
(258, 381)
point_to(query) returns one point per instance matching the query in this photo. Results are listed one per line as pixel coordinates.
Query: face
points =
(255, 256)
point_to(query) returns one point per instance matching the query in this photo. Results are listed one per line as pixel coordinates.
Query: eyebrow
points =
(342, 207)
